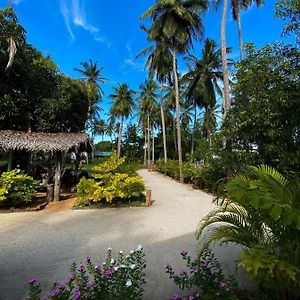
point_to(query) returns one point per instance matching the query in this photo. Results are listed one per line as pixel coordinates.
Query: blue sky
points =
(108, 31)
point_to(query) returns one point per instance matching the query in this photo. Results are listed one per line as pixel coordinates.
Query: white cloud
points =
(74, 14)
(131, 62)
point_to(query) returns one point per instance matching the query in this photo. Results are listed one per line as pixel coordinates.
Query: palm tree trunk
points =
(174, 136)
(153, 149)
(149, 143)
(239, 23)
(145, 148)
(163, 124)
(177, 115)
(194, 129)
(120, 138)
(226, 101)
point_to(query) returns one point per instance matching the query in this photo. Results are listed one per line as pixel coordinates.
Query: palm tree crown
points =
(92, 73)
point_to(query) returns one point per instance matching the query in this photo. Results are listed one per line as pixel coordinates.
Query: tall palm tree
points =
(93, 74)
(148, 105)
(122, 108)
(159, 62)
(176, 22)
(226, 99)
(203, 79)
(236, 7)
(209, 125)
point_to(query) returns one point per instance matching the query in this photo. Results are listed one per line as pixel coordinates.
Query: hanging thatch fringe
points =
(41, 141)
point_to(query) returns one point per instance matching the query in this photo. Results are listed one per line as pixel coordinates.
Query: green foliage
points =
(16, 188)
(289, 11)
(109, 185)
(204, 277)
(115, 279)
(265, 114)
(34, 94)
(261, 212)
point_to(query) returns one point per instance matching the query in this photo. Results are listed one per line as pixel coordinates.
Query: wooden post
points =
(57, 177)
(10, 160)
(148, 198)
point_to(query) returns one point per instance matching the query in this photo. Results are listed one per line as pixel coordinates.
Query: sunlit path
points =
(44, 244)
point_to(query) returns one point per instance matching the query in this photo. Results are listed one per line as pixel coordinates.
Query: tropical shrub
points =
(261, 211)
(204, 276)
(115, 279)
(16, 188)
(108, 185)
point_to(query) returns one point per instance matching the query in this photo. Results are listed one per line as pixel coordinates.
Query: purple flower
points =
(183, 252)
(175, 297)
(203, 264)
(215, 270)
(196, 258)
(167, 266)
(33, 281)
(88, 258)
(111, 270)
(45, 298)
(191, 297)
(90, 284)
(62, 286)
(196, 270)
(183, 271)
(81, 267)
(77, 293)
(222, 285)
(69, 278)
(106, 275)
(99, 267)
(55, 292)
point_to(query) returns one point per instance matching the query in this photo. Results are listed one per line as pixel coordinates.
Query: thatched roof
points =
(41, 141)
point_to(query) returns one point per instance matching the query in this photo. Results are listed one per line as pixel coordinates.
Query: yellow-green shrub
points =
(108, 185)
(16, 188)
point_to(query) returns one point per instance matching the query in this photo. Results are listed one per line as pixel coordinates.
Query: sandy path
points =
(43, 244)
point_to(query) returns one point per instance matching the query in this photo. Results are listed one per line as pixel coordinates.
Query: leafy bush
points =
(261, 212)
(16, 188)
(115, 279)
(204, 276)
(108, 184)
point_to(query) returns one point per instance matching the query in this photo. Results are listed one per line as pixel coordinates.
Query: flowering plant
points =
(120, 278)
(203, 275)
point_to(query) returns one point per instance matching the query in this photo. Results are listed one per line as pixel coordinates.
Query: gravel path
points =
(44, 244)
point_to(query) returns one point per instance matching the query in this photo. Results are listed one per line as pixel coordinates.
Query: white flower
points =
(121, 252)
(139, 248)
(132, 266)
(112, 261)
(128, 283)
(109, 249)
(104, 263)
(131, 252)
(122, 266)
(116, 268)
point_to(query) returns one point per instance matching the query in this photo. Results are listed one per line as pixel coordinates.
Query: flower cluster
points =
(204, 275)
(120, 278)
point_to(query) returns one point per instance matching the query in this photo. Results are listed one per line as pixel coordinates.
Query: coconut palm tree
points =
(122, 108)
(93, 74)
(209, 124)
(176, 22)
(236, 7)
(203, 79)
(148, 105)
(159, 63)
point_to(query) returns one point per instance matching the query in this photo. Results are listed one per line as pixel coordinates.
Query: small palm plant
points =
(260, 211)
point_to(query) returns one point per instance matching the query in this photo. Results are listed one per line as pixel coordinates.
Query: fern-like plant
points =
(261, 212)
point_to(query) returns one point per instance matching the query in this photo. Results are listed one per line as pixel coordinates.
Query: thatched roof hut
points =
(57, 143)
(41, 141)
